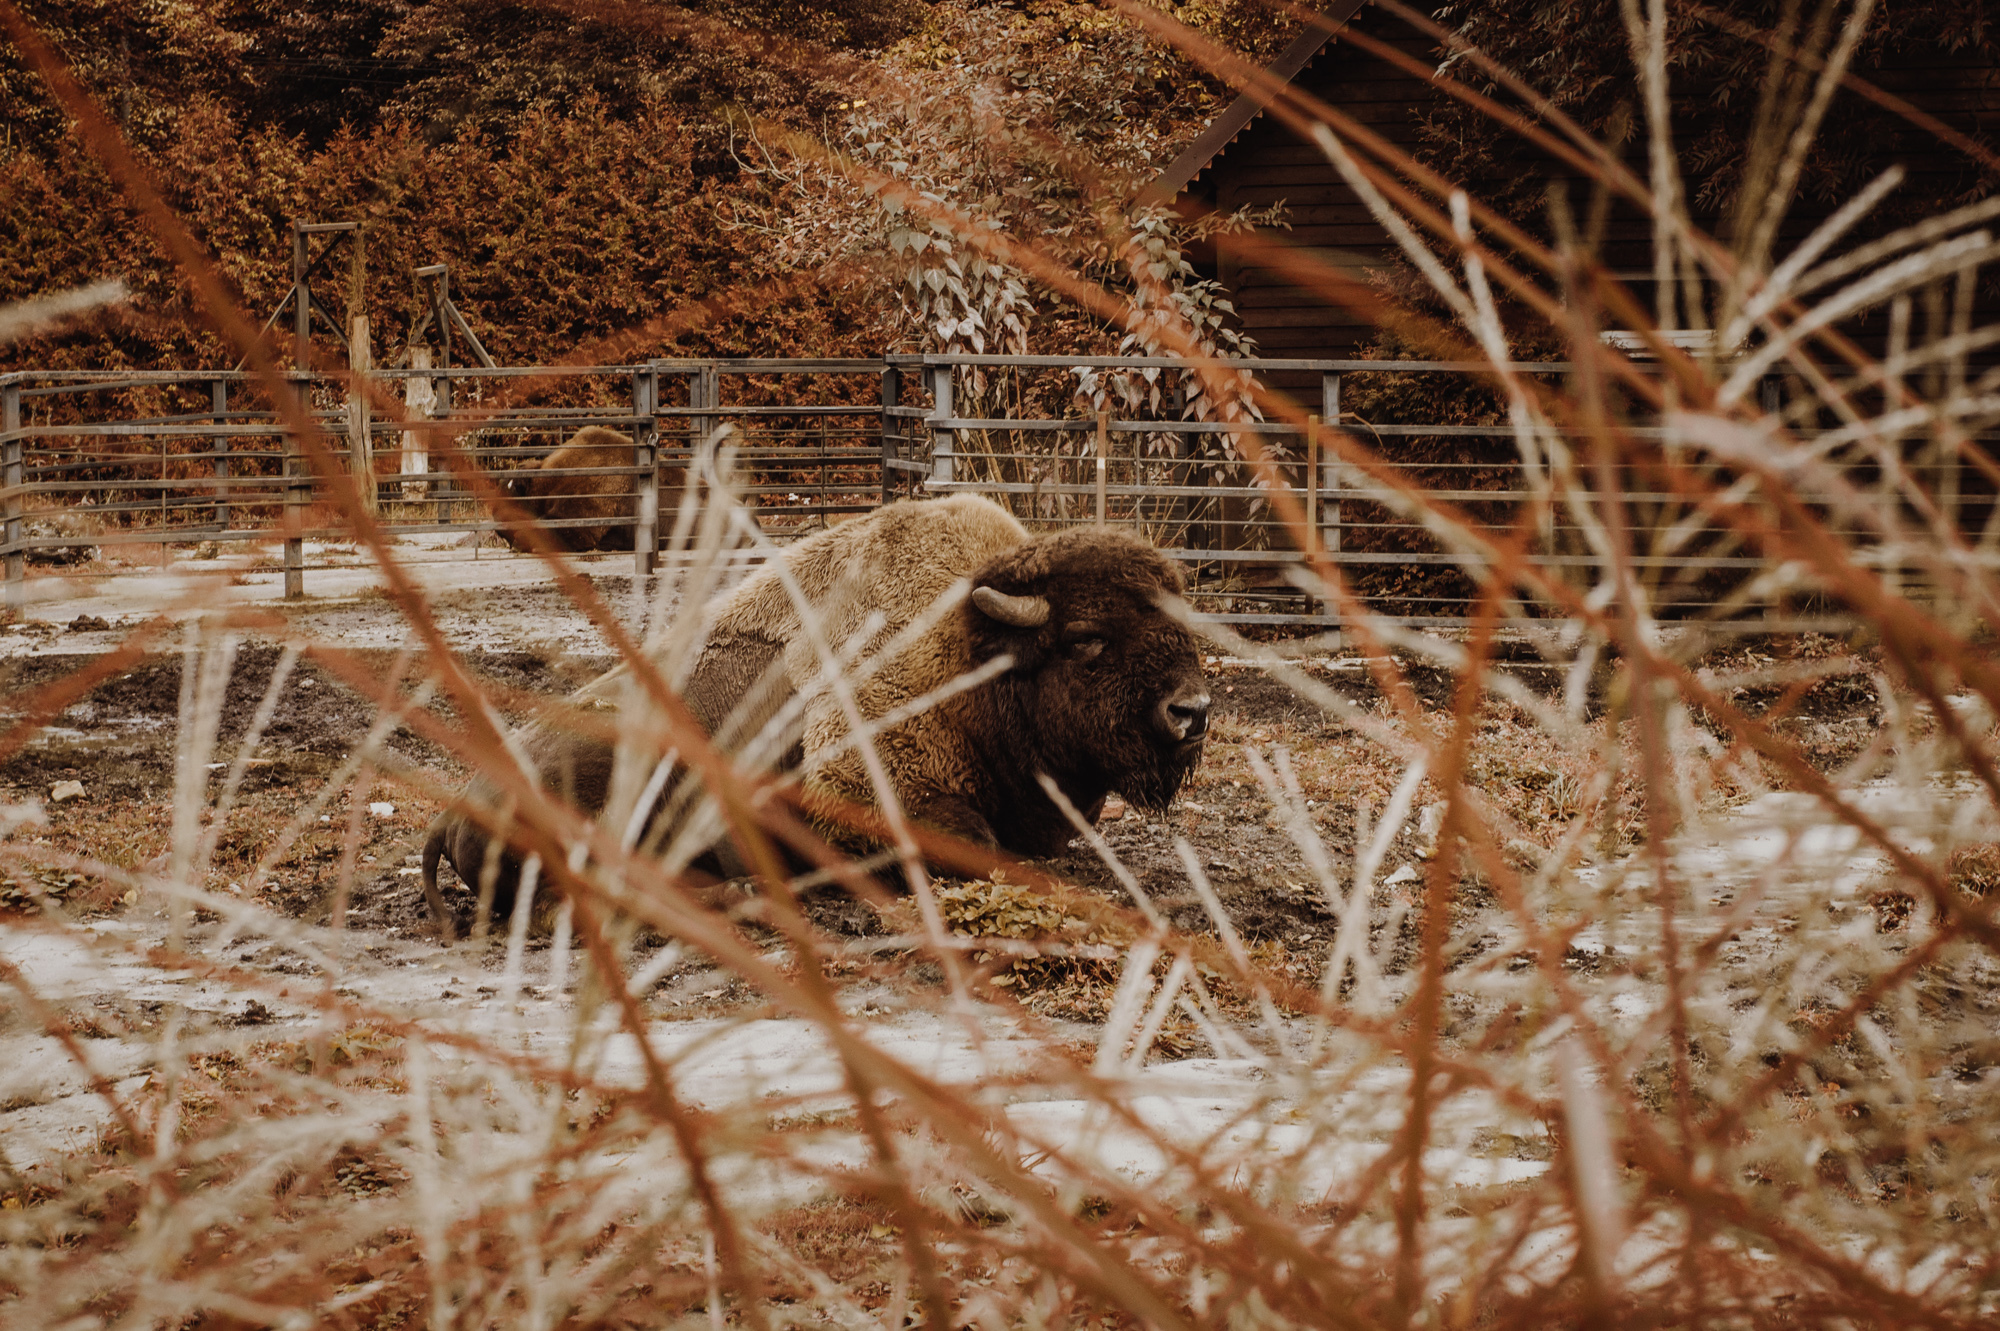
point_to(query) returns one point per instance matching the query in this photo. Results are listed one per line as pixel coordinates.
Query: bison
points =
(1103, 691)
(609, 499)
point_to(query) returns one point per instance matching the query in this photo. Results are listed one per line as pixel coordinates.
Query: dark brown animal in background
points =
(610, 499)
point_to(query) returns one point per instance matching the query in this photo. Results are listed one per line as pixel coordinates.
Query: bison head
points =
(1106, 693)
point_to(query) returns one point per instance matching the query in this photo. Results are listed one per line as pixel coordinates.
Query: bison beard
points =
(1104, 692)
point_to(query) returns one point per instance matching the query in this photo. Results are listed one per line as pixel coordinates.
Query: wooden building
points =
(1250, 156)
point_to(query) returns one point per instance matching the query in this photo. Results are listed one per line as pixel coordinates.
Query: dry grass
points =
(1657, 987)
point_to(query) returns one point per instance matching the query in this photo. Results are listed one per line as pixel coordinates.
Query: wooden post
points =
(645, 457)
(1326, 523)
(294, 473)
(441, 390)
(11, 476)
(301, 300)
(360, 443)
(704, 391)
(1330, 513)
(944, 439)
(441, 399)
(360, 364)
(1771, 402)
(1312, 485)
(892, 396)
(218, 405)
(1103, 462)
(419, 395)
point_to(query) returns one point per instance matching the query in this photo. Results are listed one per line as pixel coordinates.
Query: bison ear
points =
(1021, 612)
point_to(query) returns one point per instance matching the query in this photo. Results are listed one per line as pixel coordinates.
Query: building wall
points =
(1269, 163)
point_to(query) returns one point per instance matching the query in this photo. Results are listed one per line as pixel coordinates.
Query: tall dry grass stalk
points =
(1721, 1053)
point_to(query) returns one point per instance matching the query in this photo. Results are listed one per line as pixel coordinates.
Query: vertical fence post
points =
(892, 397)
(1330, 512)
(704, 392)
(1312, 484)
(218, 406)
(1327, 515)
(301, 299)
(646, 459)
(419, 398)
(295, 513)
(11, 477)
(448, 484)
(944, 439)
(1770, 400)
(360, 444)
(442, 395)
(1103, 461)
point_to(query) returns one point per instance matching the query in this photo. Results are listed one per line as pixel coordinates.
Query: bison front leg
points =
(954, 816)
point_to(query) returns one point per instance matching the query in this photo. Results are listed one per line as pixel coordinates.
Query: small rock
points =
(382, 809)
(1406, 874)
(1114, 808)
(89, 624)
(1429, 823)
(65, 790)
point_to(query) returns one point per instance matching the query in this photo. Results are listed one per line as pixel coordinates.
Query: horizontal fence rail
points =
(91, 462)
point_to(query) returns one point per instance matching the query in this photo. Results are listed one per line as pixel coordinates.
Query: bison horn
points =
(1023, 612)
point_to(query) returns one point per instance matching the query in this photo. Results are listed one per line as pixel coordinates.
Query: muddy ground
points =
(283, 843)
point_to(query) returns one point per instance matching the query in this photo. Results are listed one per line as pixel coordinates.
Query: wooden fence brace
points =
(1103, 461)
(892, 397)
(11, 476)
(646, 458)
(218, 406)
(944, 439)
(295, 504)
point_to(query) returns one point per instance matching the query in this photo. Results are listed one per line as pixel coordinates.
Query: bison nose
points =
(1186, 717)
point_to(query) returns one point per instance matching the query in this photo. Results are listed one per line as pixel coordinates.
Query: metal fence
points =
(96, 461)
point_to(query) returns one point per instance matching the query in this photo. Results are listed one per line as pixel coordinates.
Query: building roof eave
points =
(1196, 158)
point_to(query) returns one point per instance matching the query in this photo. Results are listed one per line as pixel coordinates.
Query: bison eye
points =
(1084, 640)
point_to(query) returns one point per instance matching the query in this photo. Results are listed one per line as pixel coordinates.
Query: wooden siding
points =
(1266, 163)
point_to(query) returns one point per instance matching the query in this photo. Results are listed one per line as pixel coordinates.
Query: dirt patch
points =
(285, 841)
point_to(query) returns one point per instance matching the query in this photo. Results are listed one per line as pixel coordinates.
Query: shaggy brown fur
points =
(1105, 694)
(548, 498)
(731, 695)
